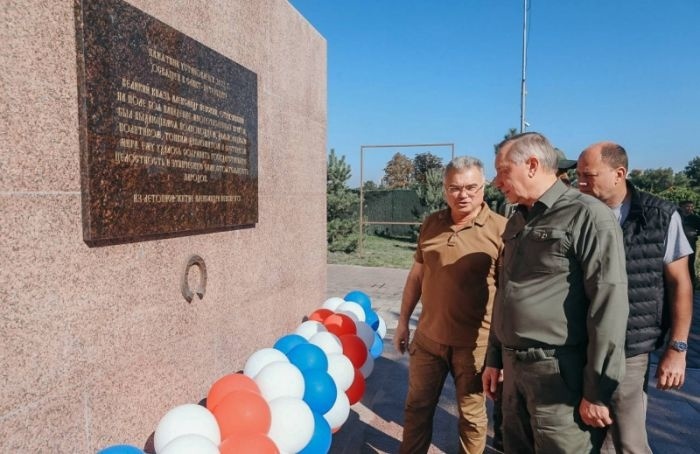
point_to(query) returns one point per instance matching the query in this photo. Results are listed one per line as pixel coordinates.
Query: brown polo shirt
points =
(459, 277)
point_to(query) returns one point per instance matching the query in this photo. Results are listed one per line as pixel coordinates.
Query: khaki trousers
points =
(429, 365)
(628, 434)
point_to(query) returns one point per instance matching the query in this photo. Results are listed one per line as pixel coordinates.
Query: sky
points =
(449, 71)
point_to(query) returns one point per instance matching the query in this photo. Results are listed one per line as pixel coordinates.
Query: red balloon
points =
(340, 324)
(226, 384)
(357, 389)
(354, 348)
(319, 315)
(243, 411)
(247, 443)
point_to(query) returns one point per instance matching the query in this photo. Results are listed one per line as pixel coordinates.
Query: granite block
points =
(38, 96)
(98, 342)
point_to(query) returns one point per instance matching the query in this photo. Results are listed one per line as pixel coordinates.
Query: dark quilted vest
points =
(644, 232)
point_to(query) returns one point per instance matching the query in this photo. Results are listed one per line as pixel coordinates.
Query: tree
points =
(681, 180)
(370, 185)
(493, 197)
(341, 203)
(679, 194)
(398, 172)
(431, 197)
(692, 170)
(512, 132)
(652, 180)
(430, 192)
(422, 163)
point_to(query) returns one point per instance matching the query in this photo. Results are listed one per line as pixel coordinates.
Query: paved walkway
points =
(375, 423)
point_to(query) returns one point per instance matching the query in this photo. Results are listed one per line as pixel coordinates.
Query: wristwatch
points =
(679, 346)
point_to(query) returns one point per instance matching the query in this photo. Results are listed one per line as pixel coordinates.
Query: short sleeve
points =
(677, 245)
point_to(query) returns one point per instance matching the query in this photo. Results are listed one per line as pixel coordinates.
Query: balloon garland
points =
(289, 398)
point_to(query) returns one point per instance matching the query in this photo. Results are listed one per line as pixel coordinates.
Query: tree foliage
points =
(430, 191)
(493, 197)
(398, 173)
(652, 180)
(512, 132)
(678, 194)
(431, 197)
(424, 162)
(341, 203)
(684, 185)
(370, 185)
(692, 171)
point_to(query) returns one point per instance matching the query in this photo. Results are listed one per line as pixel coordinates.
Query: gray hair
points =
(531, 144)
(461, 163)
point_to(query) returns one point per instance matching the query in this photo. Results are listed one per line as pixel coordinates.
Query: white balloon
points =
(332, 303)
(341, 370)
(367, 367)
(185, 420)
(280, 380)
(339, 412)
(381, 329)
(366, 333)
(189, 444)
(262, 358)
(291, 425)
(350, 314)
(353, 307)
(309, 328)
(328, 342)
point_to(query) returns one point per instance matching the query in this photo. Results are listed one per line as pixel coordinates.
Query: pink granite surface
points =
(98, 343)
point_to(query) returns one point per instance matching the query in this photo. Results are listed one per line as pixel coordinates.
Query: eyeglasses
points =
(470, 190)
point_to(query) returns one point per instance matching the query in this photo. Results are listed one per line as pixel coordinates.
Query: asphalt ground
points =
(375, 423)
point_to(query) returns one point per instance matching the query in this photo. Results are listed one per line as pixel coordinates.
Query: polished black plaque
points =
(168, 130)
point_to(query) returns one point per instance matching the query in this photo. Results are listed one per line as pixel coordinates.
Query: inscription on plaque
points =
(168, 130)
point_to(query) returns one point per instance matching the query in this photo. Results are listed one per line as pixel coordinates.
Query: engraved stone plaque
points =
(168, 130)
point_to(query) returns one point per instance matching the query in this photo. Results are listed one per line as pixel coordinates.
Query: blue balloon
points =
(320, 390)
(360, 298)
(308, 356)
(121, 449)
(377, 347)
(288, 342)
(321, 439)
(372, 319)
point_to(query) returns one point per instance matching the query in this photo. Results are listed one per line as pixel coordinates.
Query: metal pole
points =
(523, 87)
(362, 197)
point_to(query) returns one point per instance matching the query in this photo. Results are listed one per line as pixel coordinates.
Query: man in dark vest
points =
(660, 294)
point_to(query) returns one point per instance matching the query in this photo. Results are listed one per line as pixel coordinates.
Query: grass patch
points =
(378, 251)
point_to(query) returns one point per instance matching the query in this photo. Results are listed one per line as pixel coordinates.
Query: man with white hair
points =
(560, 313)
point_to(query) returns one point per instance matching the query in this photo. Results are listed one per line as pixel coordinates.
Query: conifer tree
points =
(341, 205)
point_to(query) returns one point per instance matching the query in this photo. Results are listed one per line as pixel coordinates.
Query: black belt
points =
(540, 353)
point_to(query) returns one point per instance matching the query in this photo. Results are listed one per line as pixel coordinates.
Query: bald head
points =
(610, 153)
(602, 172)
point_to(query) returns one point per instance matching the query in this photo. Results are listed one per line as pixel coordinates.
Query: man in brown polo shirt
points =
(454, 277)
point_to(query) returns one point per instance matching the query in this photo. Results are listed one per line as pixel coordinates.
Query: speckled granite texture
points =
(98, 342)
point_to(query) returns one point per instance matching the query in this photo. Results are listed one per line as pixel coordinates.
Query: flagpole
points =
(523, 86)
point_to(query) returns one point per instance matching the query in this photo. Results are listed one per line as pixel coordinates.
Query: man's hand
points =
(594, 415)
(670, 373)
(490, 379)
(401, 338)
